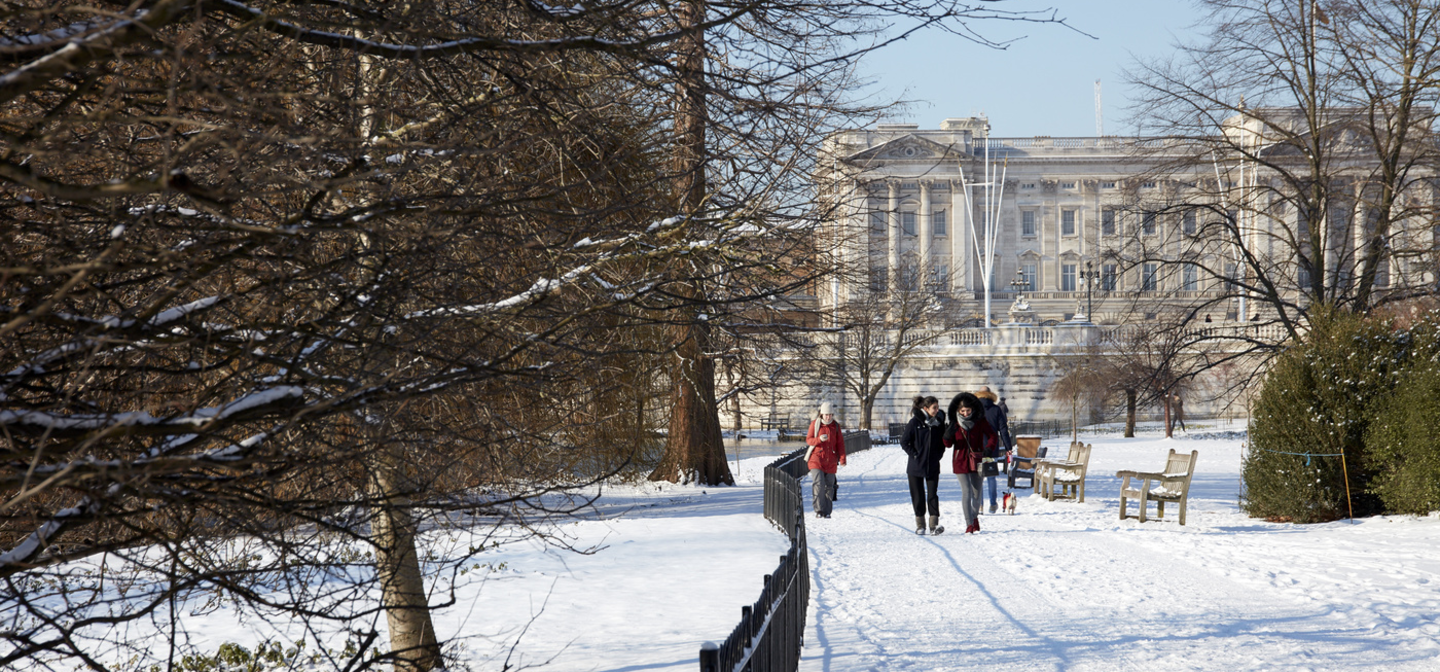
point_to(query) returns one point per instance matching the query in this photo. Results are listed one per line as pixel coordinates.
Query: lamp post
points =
(1019, 284)
(1091, 278)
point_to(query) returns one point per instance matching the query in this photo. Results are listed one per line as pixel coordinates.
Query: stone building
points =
(1096, 233)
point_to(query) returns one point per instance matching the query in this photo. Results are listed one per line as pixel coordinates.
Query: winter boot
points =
(919, 524)
(935, 526)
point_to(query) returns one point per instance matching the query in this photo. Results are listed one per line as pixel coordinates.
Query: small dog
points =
(1009, 503)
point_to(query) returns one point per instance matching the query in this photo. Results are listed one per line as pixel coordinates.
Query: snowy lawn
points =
(1060, 586)
(1068, 586)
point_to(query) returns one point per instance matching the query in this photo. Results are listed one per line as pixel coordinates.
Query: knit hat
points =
(825, 408)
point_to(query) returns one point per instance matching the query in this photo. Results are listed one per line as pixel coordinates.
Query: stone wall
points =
(1019, 362)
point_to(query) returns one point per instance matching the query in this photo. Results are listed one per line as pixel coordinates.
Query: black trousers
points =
(925, 492)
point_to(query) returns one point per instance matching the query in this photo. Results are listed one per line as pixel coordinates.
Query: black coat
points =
(997, 418)
(925, 446)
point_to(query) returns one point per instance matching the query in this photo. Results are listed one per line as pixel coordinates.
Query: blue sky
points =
(1042, 84)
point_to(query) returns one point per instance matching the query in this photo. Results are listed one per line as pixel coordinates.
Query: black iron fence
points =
(772, 631)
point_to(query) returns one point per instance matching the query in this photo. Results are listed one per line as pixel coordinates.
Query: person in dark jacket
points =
(1000, 421)
(972, 439)
(924, 442)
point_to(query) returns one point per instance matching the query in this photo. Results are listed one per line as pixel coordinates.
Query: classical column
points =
(927, 232)
(960, 245)
(893, 228)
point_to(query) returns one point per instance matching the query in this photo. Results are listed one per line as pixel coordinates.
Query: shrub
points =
(1403, 442)
(1316, 404)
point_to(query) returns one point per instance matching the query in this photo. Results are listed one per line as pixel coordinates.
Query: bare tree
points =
(877, 331)
(1297, 168)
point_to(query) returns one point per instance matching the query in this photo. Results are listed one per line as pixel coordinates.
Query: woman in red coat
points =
(826, 454)
(973, 440)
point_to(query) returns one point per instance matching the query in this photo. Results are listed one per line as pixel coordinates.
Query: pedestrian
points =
(999, 421)
(1177, 408)
(824, 457)
(1004, 407)
(972, 438)
(924, 442)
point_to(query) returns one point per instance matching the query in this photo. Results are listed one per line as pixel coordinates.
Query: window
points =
(1067, 185)
(1107, 222)
(1147, 224)
(1150, 277)
(1107, 185)
(877, 221)
(1027, 185)
(1109, 277)
(910, 278)
(1147, 185)
(939, 275)
(1382, 274)
(940, 223)
(1187, 222)
(907, 223)
(1027, 273)
(1189, 278)
(1027, 222)
(1303, 276)
(1067, 277)
(1230, 271)
(1067, 222)
(878, 279)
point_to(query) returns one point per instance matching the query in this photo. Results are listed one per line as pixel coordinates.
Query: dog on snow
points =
(1009, 503)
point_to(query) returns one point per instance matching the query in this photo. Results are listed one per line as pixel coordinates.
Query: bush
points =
(1316, 404)
(1403, 442)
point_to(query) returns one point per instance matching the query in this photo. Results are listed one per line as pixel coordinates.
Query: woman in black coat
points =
(923, 441)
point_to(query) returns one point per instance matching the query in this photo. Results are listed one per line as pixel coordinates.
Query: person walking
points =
(924, 442)
(999, 420)
(972, 439)
(824, 457)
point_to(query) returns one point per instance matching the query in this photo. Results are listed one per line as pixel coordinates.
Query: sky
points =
(1044, 82)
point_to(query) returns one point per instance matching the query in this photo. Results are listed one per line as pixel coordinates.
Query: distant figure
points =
(999, 421)
(1004, 407)
(1177, 411)
(825, 456)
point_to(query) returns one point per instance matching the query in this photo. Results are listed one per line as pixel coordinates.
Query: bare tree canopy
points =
(285, 287)
(1301, 154)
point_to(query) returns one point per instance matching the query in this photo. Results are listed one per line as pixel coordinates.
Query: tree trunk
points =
(1169, 424)
(397, 566)
(694, 451)
(867, 407)
(1129, 414)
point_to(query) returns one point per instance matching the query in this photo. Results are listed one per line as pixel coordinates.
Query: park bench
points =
(1170, 485)
(779, 425)
(1068, 474)
(1028, 452)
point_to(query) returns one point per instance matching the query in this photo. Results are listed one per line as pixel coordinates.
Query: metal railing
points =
(771, 632)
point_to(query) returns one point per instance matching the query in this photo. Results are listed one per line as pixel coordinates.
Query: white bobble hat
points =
(825, 408)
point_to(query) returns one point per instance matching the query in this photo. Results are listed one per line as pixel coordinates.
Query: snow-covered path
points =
(1068, 586)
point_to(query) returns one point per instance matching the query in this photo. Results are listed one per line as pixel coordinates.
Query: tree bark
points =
(397, 565)
(695, 450)
(1129, 414)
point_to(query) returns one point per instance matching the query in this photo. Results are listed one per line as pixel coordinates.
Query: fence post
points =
(709, 657)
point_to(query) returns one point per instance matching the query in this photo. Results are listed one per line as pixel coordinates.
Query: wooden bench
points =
(1170, 485)
(1028, 452)
(1069, 474)
(780, 425)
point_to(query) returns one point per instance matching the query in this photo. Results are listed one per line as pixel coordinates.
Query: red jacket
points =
(827, 455)
(980, 441)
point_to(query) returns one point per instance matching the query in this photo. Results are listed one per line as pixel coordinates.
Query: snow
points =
(1059, 586)
(1065, 585)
